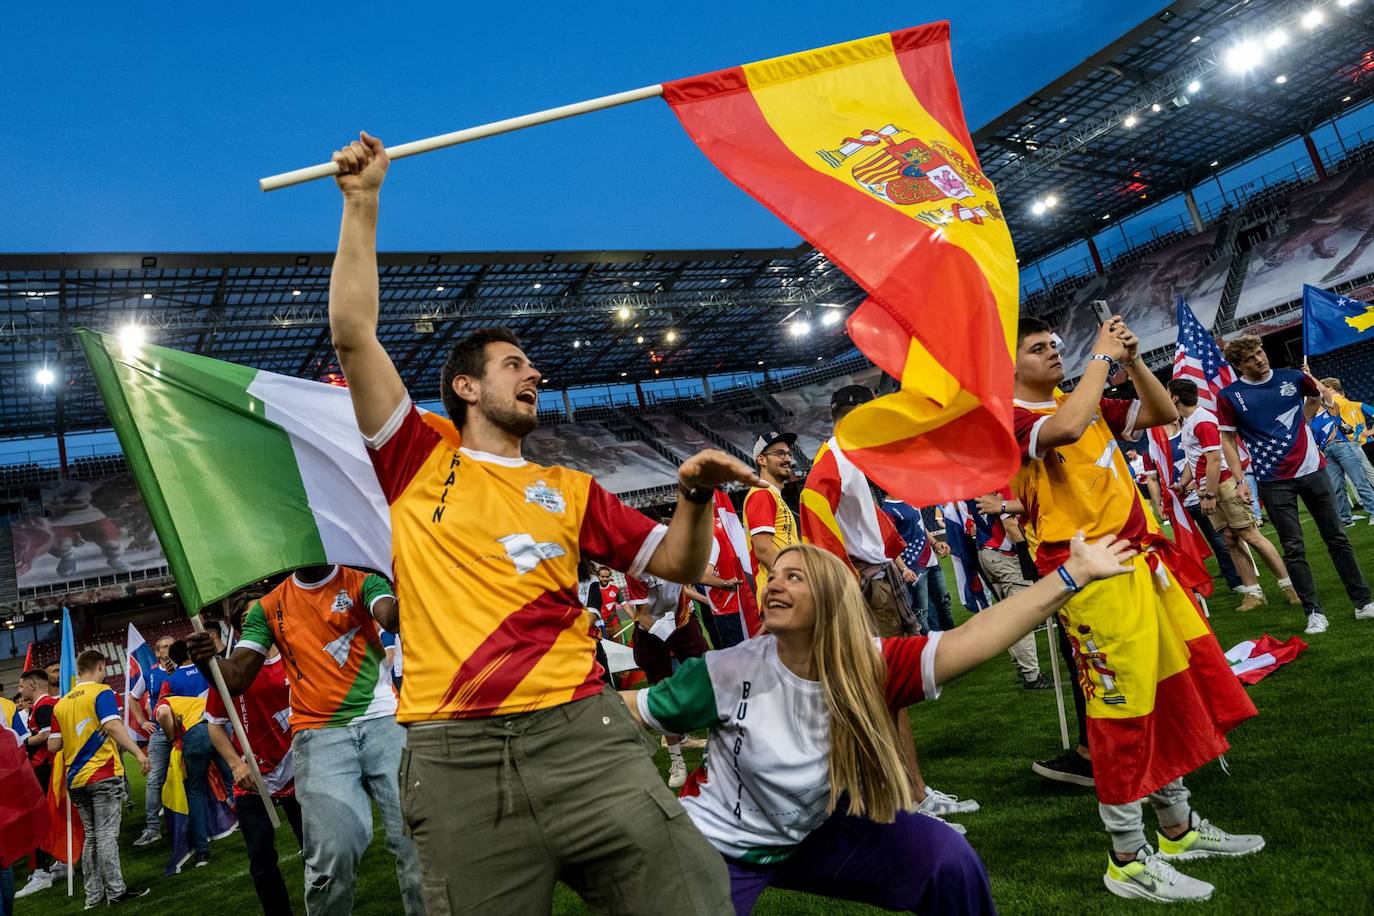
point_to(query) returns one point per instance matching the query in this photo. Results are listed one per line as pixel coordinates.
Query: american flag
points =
(1197, 357)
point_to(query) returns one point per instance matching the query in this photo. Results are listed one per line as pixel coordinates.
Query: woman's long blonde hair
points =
(864, 761)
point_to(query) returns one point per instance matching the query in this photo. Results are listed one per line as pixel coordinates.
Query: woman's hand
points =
(1100, 559)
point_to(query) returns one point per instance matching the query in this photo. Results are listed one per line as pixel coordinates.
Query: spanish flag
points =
(862, 149)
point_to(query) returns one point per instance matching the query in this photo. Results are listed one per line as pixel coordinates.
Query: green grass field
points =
(1300, 775)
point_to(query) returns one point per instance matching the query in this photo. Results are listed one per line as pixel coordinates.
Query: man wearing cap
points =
(770, 521)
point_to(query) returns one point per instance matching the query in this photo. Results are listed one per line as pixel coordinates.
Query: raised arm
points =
(373, 382)
(684, 551)
(1156, 406)
(994, 630)
(238, 669)
(1071, 420)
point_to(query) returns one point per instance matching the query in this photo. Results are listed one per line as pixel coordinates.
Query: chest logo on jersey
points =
(550, 498)
(338, 649)
(527, 553)
(1288, 389)
(342, 603)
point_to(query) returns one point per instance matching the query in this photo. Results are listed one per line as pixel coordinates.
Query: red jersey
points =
(265, 711)
(37, 722)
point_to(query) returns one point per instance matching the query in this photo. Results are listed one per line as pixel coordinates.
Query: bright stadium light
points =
(1312, 18)
(147, 295)
(1195, 39)
(577, 344)
(1131, 121)
(831, 317)
(1276, 39)
(1281, 79)
(623, 313)
(1038, 208)
(44, 377)
(799, 328)
(131, 338)
(1155, 108)
(1343, 4)
(1243, 57)
(1063, 119)
(1051, 201)
(670, 337)
(639, 338)
(1194, 87)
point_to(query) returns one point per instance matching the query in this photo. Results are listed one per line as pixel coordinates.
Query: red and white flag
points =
(1186, 534)
(733, 561)
(1255, 659)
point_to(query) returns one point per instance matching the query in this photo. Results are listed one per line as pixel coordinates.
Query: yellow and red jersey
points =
(329, 640)
(1083, 486)
(187, 711)
(89, 754)
(485, 551)
(766, 513)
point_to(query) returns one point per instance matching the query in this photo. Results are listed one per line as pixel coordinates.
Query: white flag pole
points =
(415, 147)
(1053, 647)
(239, 733)
(71, 865)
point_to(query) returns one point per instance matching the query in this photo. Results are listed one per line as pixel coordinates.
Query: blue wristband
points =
(1069, 584)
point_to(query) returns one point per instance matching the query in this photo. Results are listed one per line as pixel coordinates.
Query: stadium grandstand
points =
(1222, 151)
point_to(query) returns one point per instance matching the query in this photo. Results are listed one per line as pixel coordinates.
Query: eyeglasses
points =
(775, 453)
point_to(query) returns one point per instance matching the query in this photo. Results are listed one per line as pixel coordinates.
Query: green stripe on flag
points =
(221, 481)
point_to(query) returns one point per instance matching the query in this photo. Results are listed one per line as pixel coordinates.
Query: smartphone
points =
(1102, 310)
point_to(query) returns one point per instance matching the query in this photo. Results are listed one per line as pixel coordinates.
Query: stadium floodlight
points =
(438, 289)
(1312, 18)
(1155, 108)
(831, 317)
(1244, 57)
(799, 328)
(147, 295)
(132, 337)
(1038, 208)
(623, 313)
(1195, 39)
(1063, 119)
(538, 285)
(45, 377)
(1051, 201)
(1194, 87)
(639, 338)
(1276, 39)
(1343, 4)
(1131, 121)
(1281, 79)
(670, 337)
(1214, 163)
(577, 344)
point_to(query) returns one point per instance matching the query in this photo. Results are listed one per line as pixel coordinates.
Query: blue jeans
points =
(199, 755)
(919, 598)
(941, 606)
(6, 891)
(158, 750)
(340, 771)
(1343, 459)
(1254, 494)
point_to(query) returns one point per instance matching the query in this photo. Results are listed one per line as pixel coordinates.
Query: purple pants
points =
(917, 864)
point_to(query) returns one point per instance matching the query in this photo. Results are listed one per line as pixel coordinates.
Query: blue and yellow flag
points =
(1330, 322)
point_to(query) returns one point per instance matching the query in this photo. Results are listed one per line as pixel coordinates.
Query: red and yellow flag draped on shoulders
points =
(861, 148)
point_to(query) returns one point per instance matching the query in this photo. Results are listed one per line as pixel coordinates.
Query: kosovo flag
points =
(1330, 322)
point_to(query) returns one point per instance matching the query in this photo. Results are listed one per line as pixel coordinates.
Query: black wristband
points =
(699, 495)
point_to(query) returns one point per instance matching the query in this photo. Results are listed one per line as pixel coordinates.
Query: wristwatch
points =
(699, 495)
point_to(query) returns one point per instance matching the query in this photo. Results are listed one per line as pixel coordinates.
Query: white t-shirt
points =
(769, 745)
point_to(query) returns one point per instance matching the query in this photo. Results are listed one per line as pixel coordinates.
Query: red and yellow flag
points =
(862, 149)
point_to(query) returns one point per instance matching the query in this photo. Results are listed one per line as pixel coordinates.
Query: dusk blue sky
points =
(145, 127)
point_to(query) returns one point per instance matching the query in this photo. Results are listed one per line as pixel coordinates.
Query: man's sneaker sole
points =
(1209, 854)
(1086, 782)
(1132, 890)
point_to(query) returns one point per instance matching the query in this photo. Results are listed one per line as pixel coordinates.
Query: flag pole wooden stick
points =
(415, 147)
(239, 733)
(1054, 670)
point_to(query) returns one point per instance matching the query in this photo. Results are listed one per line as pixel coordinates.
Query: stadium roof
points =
(686, 313)
(1070, 140)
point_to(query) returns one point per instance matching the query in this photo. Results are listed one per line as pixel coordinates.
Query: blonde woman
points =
(806, 788)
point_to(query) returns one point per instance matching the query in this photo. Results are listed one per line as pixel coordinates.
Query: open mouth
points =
(528, 397)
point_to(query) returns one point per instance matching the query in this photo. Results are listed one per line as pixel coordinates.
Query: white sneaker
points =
(1316, 623)
(1149, 877)
(942, 804)
(677, 774)
(1366, 612)
(40, 880)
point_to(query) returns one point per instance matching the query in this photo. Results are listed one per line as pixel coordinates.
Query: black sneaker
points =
(202, 859)
(130, 893)
(1067, 767)
(1039, 683)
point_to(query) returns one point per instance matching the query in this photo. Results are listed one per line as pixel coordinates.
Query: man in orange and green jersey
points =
(87, 731)
(510, 727)
(769, 521)
(344, 737)
(1159, 693)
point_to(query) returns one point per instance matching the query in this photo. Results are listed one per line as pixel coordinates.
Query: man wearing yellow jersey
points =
(88, 733)
(1159, 695)
(770, 522)
(510, 727)
(1344, 456)
(344, 737)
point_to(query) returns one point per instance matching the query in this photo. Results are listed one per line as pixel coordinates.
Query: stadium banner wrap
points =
(89, 529)
(862, 149)
(245, 473)
(1329, 242)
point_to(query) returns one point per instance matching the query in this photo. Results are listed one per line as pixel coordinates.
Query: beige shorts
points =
(1231, 511)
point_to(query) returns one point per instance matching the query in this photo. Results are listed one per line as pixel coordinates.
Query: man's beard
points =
(508, 419)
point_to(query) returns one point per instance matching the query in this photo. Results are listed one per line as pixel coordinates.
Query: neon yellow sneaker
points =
(1207, 839)
(1149, 877)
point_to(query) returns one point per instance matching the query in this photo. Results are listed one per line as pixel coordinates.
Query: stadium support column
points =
(1096, 255)
(1193, 212)
(639, 393)
(567, 406)
(60, 426)
(1316, 157)
(706, 389)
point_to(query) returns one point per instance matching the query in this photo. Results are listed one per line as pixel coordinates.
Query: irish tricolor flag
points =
(245, 473)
